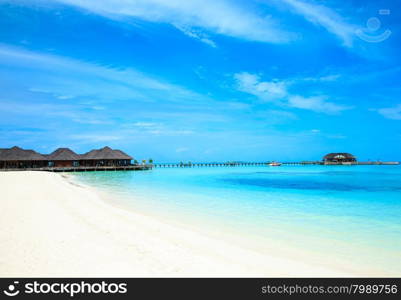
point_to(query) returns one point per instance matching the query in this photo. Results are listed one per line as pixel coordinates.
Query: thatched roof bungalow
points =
(63, 157)
(339, 158)
(105, 157)
(19, 158)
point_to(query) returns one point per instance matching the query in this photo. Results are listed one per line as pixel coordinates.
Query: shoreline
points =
(55, 227)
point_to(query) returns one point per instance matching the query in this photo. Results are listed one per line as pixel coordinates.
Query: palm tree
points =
(144, 161)
(150, 161)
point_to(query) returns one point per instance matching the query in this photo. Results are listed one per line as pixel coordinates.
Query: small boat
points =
(275, 164)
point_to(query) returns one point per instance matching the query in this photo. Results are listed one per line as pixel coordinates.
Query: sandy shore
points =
(51, 227)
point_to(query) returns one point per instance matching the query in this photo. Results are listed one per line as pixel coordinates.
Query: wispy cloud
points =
(198, 35)
(58, 96)
(325, 17)
(277, 92)
(218, 17)
(156, 129)
(51, 111)
(393, 113)
(325, 78)
(146, 124)
(315, 103)
(267, 91)
(320, 133)
(102, 96)
(95, 138)
(66, 78)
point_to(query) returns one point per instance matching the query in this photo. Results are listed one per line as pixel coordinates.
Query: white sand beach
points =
(51, 227)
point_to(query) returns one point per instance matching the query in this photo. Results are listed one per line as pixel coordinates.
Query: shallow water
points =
(347, 215)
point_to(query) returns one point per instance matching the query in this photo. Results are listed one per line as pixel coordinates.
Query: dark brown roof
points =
(16, 153)
(105, 153)
(63, 154)
(333, 155)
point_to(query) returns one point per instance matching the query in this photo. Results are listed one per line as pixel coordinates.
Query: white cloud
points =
(65, 97)
(320, 133)
(326, 78)
(330, 77)
(64, 77)
(43, 91)
(316, 103)
(393, 113)
(91, 121)
(146, 124)
(199, 35)
(158, 129)
(267, 91)
(170, 132)
(51, 111)
(95, 138)
(277, 92)
(325, 17)
(218, 16)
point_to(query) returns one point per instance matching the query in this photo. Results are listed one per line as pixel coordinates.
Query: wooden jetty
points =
(226, 164)
(211, 164)
(239, 164)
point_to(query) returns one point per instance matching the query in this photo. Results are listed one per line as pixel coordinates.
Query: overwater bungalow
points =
(18, 158)
(63, 157)
(339, 158)
(105, 157)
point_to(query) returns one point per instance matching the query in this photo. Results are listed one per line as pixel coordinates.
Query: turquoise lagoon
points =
(349, 216)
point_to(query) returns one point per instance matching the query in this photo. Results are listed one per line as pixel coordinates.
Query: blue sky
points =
(202, 80)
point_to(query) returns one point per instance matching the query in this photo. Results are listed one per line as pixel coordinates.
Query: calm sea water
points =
(348, 215)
